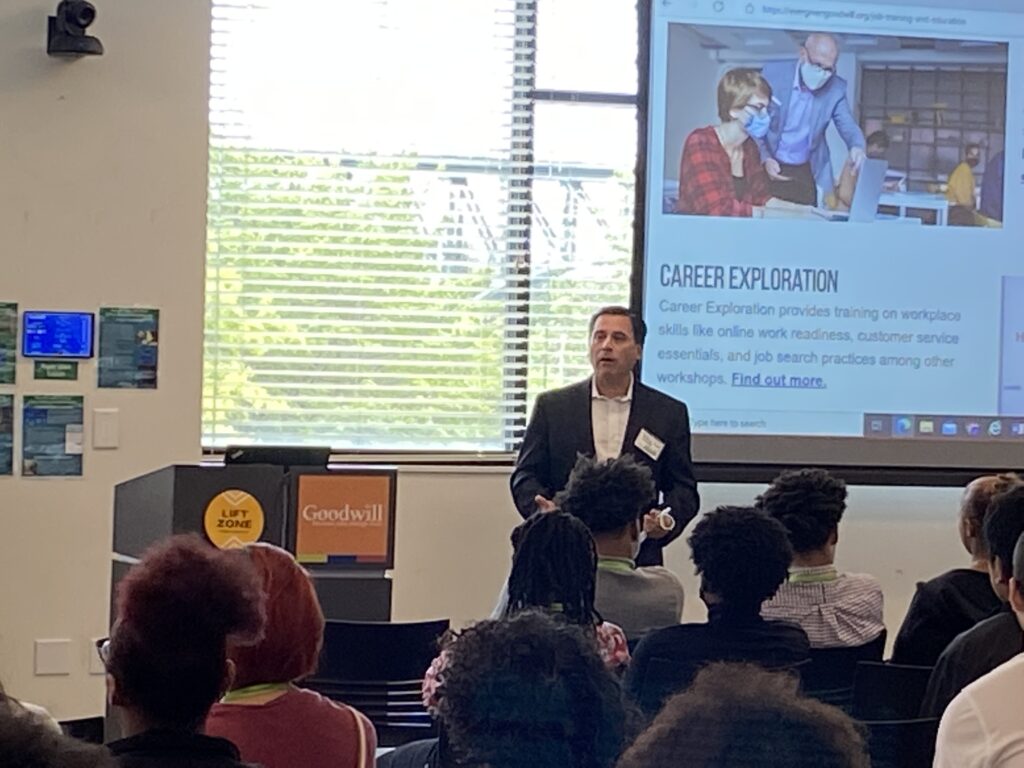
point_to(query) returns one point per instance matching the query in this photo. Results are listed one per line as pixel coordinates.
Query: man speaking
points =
(605, 416)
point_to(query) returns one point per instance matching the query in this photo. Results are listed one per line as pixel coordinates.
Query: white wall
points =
(103, 165)
(102, 201)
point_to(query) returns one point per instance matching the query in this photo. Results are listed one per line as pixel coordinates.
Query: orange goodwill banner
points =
(343, 518)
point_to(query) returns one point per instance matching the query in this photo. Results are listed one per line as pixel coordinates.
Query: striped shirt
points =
(836, 610)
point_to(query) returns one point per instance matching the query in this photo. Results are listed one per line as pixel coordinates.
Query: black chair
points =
(902, 743)
(378, 669)
(883, 692)
(665, 677)
(829, 676)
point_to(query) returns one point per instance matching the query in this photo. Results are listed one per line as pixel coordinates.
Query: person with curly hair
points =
(836, 610)
(611, 498)
(737, 716)
(741, 556)
(269, 718)
(178, 610)
(530, 691)
(957, 600)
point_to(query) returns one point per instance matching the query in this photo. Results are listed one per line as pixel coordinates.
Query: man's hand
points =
(774, 170)
(652, 525)
(857, 158)
(544, 504)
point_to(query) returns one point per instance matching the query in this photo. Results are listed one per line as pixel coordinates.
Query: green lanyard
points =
(616, 564)
(816, 576)
(251, 691)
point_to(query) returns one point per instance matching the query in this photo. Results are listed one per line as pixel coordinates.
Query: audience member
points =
(40, 714)
(611, 498)
(272, 721)
(166, 659)
(836, 610)
(982, 726)
(742, 556)
(531, 692)
(738, 716)
(554, 567)
(27, 741)
(993, 641)
(957, 600)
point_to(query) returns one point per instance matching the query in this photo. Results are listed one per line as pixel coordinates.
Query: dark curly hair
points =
(809, 503)
(532, 692)
(1004, 525)
(740, 715)
(554, 563)
(741, 555)
(177, 609)
(608, 495)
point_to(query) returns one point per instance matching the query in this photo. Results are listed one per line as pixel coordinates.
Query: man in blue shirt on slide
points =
(807, 95)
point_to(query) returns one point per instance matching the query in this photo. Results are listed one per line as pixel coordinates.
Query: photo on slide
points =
(834, 127)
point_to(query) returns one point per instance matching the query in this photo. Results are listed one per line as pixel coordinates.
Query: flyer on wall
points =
(129, 338)
(52, 436)
(6, 434)
(8, 341)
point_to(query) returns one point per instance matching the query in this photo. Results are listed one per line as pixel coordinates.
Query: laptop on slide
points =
(867, 193)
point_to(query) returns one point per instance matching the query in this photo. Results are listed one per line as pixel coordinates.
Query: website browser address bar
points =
(907, 17)
(851, 16)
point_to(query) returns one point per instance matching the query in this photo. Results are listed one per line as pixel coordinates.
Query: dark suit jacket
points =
(560, 430)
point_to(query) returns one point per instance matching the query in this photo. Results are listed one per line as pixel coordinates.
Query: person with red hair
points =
(273, 721)
(166, 658)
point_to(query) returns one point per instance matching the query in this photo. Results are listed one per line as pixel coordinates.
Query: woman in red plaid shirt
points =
(721, 172)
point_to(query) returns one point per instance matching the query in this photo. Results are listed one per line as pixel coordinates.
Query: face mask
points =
(973, 162)
(756, 125)
(814, 77)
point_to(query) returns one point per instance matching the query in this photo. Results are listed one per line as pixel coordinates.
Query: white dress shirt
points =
(608, 418)
(982, 727)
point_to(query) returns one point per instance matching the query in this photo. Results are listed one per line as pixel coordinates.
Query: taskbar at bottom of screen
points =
(943, 427)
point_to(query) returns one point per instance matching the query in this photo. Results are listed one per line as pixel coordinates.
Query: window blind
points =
(404, 243)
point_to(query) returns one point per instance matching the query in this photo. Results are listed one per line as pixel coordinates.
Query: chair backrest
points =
(665, 677)
(378, 669)
(888, 691)
(902, 743)
(830, 674)
(378, 652)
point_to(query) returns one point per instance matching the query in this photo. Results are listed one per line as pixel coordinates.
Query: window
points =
(413, 209)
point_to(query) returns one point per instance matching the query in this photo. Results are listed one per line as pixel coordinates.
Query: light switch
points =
(53, 657)
(106, 428)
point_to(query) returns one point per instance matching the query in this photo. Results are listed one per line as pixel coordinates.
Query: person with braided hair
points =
(554, 570)
(836, 610)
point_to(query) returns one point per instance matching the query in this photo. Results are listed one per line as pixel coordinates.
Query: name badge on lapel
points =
(649, 444)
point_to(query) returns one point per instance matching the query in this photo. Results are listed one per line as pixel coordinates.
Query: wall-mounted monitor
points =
(57, 334)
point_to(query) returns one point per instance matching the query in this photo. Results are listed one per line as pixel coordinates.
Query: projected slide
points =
(833, 234)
